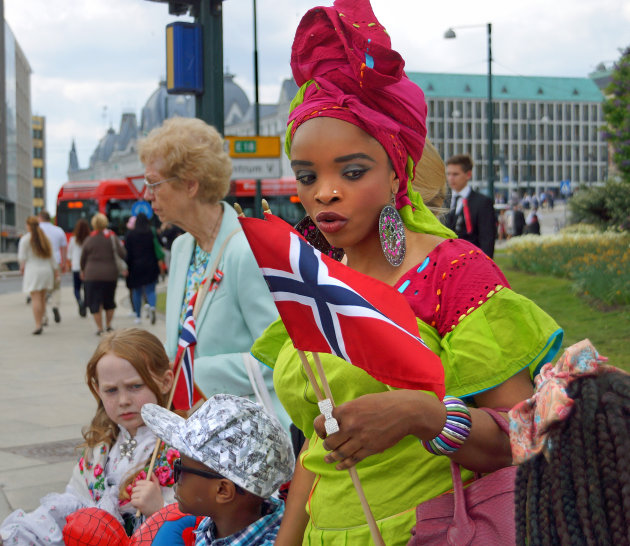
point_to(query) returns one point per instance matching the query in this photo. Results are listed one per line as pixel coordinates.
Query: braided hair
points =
(580, 494)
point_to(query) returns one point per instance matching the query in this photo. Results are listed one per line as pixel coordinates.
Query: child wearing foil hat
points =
(234, 456)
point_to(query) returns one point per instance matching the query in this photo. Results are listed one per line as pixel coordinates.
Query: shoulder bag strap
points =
(210, 271)
(499, 419)
(462, 528)
(258, 383)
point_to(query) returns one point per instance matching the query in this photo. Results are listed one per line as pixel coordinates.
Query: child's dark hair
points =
(146, 354)
(581, 494)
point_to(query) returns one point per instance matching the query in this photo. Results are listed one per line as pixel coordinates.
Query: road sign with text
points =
(261, 167)
(253, 147)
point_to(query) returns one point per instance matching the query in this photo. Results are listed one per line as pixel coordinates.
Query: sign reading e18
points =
(245, 146)
(253, 146)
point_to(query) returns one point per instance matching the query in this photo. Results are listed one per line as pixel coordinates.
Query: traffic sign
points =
(256, 168)
(253, 146)
(142, 206)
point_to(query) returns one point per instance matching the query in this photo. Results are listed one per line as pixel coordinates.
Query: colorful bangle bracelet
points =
(455, 431)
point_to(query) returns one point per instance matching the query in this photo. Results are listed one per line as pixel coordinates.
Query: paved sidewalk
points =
(44, 401)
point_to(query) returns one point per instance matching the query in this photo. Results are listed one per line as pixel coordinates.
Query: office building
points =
(16, 170)
(546, 129)
(39, 164)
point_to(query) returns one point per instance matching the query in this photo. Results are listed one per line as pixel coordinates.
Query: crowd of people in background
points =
(97, 257)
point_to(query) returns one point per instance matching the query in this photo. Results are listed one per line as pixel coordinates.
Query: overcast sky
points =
(92, 60)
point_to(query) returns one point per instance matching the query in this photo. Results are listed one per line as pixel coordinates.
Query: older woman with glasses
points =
(187, 173)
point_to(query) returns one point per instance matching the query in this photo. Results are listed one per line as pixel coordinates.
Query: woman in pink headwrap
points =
(356, 133)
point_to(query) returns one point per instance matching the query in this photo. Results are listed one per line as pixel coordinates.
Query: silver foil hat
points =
(232, 436)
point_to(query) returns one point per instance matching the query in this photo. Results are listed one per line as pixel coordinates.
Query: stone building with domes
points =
(116, 156)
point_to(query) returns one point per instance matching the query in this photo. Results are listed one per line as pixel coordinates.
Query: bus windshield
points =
(118, 212)
(281, 206)
(69, 212)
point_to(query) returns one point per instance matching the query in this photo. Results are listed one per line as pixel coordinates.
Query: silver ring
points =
(330, 424)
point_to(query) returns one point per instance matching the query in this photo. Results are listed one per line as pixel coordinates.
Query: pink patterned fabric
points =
(531, 419)
(358, 78)
(455, 279)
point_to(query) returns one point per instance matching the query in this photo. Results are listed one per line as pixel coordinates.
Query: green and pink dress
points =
(484, 333)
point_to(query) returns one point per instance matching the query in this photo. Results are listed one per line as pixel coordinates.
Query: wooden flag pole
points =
(374, 531)
(158, 441)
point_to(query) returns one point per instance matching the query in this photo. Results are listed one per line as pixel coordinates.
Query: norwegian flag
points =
(329, 308)
(185, 395)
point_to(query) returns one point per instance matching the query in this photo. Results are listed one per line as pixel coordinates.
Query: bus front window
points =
(69, 212)
(118, 212)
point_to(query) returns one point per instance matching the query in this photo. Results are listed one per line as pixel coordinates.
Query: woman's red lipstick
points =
(330, 222)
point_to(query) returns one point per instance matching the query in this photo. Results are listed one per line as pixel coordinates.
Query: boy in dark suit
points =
(471, 214)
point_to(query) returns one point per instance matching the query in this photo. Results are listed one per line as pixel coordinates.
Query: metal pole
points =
(209, 105)
(258, 199)
(529, 155)
(490, 120)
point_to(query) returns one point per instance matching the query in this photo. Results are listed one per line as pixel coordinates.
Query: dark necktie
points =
(457, 199)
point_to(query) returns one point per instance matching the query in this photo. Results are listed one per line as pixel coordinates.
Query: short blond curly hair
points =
(99, 221)
(190, 149)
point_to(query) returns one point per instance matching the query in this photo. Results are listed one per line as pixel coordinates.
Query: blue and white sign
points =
(142, 206)
(565, 187)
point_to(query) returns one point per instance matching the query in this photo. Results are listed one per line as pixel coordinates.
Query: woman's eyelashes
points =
(305, 178)
(349, 172)
(354, 172)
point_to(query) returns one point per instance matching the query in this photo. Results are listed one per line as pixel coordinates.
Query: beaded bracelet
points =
(455, 431)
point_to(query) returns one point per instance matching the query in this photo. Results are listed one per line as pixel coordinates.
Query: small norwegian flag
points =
(329, 308)
(184, 390)
(187, 394)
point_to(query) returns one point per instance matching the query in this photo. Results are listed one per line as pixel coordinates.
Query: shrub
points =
(598, 263)
(607, 206)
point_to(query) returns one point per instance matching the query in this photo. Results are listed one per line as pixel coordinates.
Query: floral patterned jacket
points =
(101, 470)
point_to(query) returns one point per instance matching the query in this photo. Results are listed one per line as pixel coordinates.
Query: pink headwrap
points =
(343, 61)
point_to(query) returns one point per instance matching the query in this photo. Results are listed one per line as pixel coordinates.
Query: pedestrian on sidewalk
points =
(100, 272)
(128, 370)
(471, 216)
(59, 243)
(39, 267)
(187, 174)
(75, 247)
(221, 474)
(143, 266)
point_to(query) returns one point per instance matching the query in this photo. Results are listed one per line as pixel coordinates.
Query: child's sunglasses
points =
(179, 469)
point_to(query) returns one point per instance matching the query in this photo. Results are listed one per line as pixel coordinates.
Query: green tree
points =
(617, 114)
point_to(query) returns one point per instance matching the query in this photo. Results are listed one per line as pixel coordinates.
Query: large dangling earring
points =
(307, 229)
(391, 232)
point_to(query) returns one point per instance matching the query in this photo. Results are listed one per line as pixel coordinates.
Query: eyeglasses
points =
(179, 469)
(150, 186)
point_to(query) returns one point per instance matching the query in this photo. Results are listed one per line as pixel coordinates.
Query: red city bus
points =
(116, 197)
(280, 193)
(112, 197)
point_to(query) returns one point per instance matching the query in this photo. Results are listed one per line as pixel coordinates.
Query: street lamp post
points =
(529, 155)
(449, 34)
(258, 197)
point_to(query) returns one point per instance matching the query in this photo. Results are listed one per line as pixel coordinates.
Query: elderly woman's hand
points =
(374, 422)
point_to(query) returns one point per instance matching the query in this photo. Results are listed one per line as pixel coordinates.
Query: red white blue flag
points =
(184, 397)
(329, 308)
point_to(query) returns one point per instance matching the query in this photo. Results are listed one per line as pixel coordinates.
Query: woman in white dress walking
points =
(39, 268)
